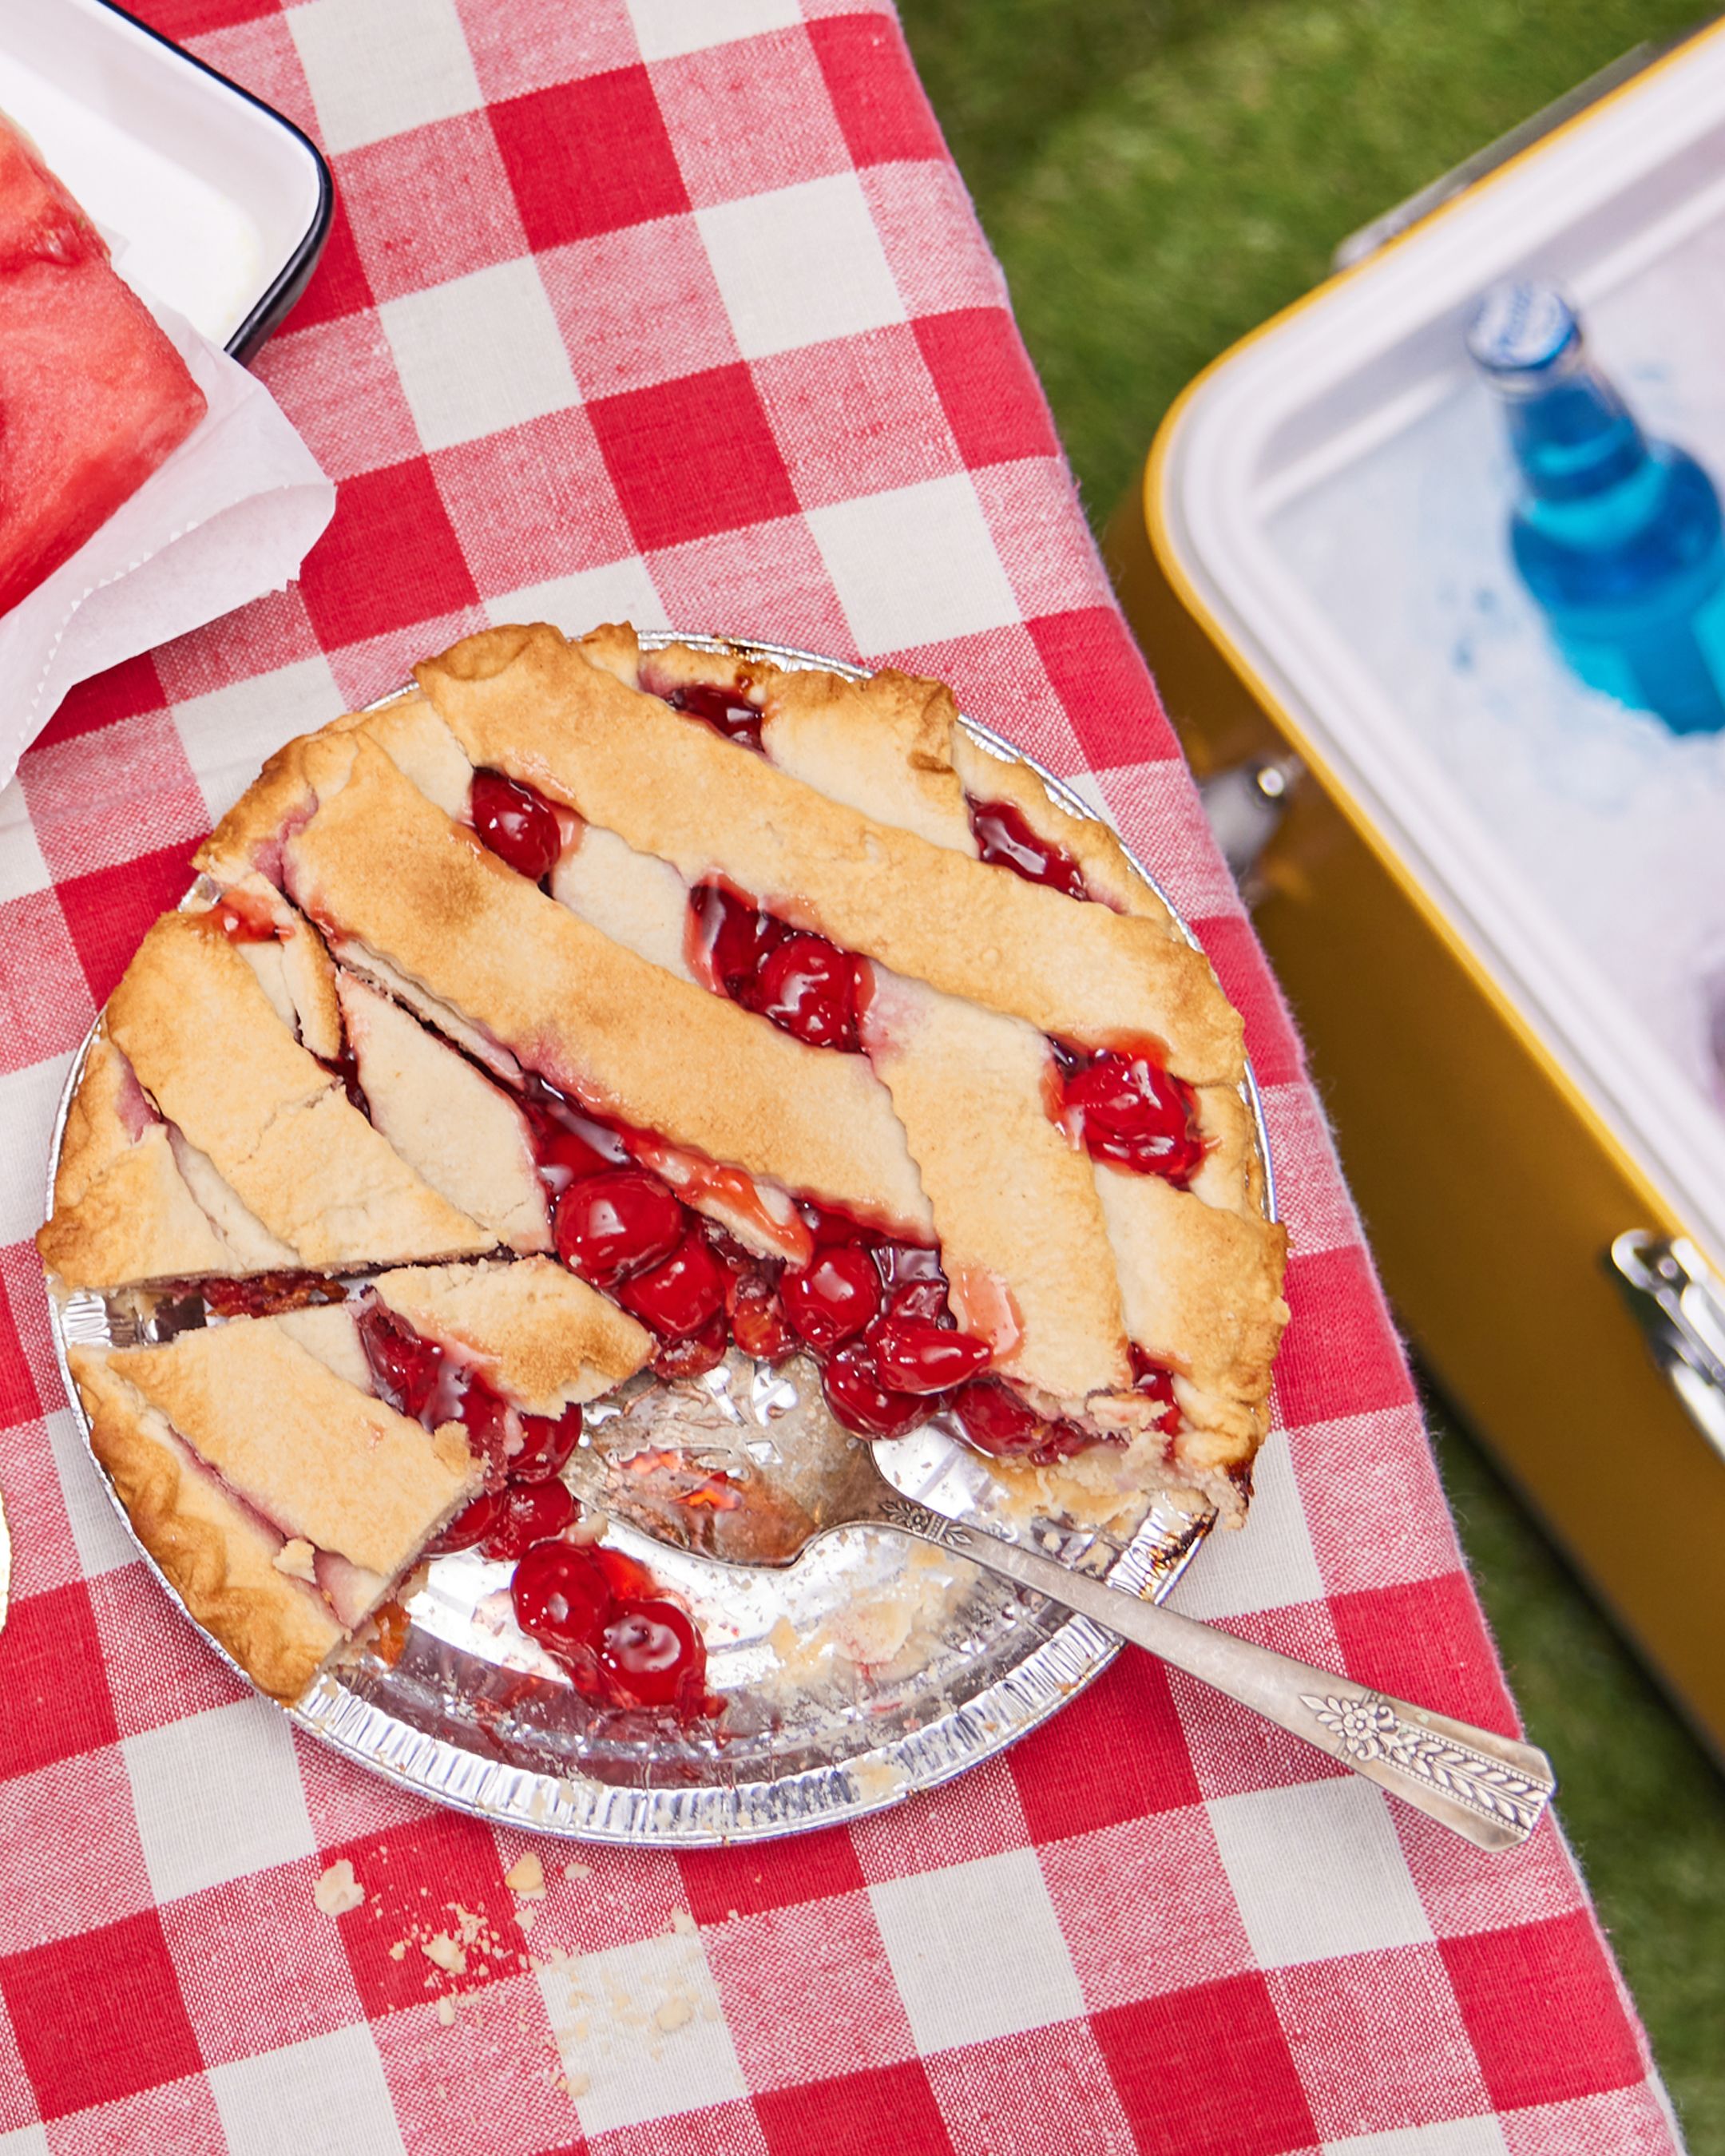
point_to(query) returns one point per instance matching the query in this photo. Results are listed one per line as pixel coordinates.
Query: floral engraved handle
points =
(1371, 1730)
(930, 1527)
(1491, 1791)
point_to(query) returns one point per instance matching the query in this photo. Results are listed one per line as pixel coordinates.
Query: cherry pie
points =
(592, 1010)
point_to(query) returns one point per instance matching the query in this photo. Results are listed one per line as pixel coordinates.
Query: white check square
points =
(329, 2095)
(1317, 1871)
(21, 867)
(227, 732)
(799, 265)
(217, 1796)
(102, 1543)
(479, 353)
(376, 68)
(641, 2033)
(615, 591)
(1449, 2137)
(914, 566)
(28, 1097)
(1269, 1565)
(25, 2141)
(977, 1951)
(665, 28)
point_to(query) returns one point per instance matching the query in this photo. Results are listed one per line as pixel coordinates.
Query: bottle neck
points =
(1572, 435)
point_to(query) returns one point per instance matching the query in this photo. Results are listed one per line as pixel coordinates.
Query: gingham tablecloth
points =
(676, 310)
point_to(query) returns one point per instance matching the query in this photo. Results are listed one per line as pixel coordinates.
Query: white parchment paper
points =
(230, 515)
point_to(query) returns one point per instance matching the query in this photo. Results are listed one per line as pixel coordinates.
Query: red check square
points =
(108, 911)
(58, 1703)
(588, 156)
(1207, 2072)
(1425, 1640)
(99, 2015)
(1116, 1752)
(1098, 673)
(1543, 2010)
(692, 456)
(993, 403)
(180, 20)
(870, 77)
(390, 557)
(455, 1860)
(888, 2107)
(19, 1400)
(1339, 1356)
(728, 1882)
(124, 691)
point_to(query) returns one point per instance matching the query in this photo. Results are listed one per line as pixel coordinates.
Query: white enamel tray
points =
(210, 199)
(475, 1716)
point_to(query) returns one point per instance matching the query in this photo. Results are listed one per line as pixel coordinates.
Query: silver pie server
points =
(1490, 1790)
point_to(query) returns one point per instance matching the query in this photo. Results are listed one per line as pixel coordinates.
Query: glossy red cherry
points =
(913, 1355)
(568, 1155)
(561, 1597)
(405, 1368)
(609, 1226)
(726, 711)
(834, 1298)
(758, 1324)
(729, 938)
(999, 1422)
(678, 1297)
(1004, 838)
(546, 1442)
(517, 823)
(629, 1580)
(471, 1525)
(530, 1513)
(807, 986)
(858, 1400)
(694, 1357)
(1134, 1114)
(653, 1650)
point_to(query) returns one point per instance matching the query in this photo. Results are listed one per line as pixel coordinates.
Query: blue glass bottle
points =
(1618, 538)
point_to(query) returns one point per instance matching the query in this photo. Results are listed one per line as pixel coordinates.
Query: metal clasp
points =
(1679, 1302)
(1243, 805)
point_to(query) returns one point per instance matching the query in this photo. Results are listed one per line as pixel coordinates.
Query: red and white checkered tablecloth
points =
(677, 310)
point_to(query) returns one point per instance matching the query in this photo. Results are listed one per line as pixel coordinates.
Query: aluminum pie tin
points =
(475, 1716)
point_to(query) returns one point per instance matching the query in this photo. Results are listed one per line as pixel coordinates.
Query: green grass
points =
(1158, 177)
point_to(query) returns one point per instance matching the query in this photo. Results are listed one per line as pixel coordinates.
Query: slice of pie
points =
(591, 1010)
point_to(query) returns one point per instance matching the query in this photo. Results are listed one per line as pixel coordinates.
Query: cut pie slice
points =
(209, 1108)
(281, 1501)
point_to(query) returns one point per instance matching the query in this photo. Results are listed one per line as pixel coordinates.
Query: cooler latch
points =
(1679, 1301)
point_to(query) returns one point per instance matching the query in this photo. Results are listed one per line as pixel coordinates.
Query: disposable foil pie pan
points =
(946, 1665)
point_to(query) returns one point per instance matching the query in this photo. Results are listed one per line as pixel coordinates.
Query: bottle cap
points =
(1522, 328)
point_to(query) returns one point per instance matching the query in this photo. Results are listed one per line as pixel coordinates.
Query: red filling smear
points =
(727, 711)
(621, 1648)
(1125, 1107)
(264, 1295)
(1157, 1380)
(517, 823)
(999, 1423)
(1005, 839)
(245, 918)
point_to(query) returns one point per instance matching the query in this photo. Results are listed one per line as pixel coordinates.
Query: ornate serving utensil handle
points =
(1490, 1790)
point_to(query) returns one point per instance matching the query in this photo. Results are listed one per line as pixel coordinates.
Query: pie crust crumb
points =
(337, 1890)
(527, 1876)
(298, 1560)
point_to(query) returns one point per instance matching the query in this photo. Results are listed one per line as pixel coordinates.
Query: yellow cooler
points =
(1496, 902)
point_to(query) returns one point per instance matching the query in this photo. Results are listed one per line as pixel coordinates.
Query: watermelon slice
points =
(93, 395)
